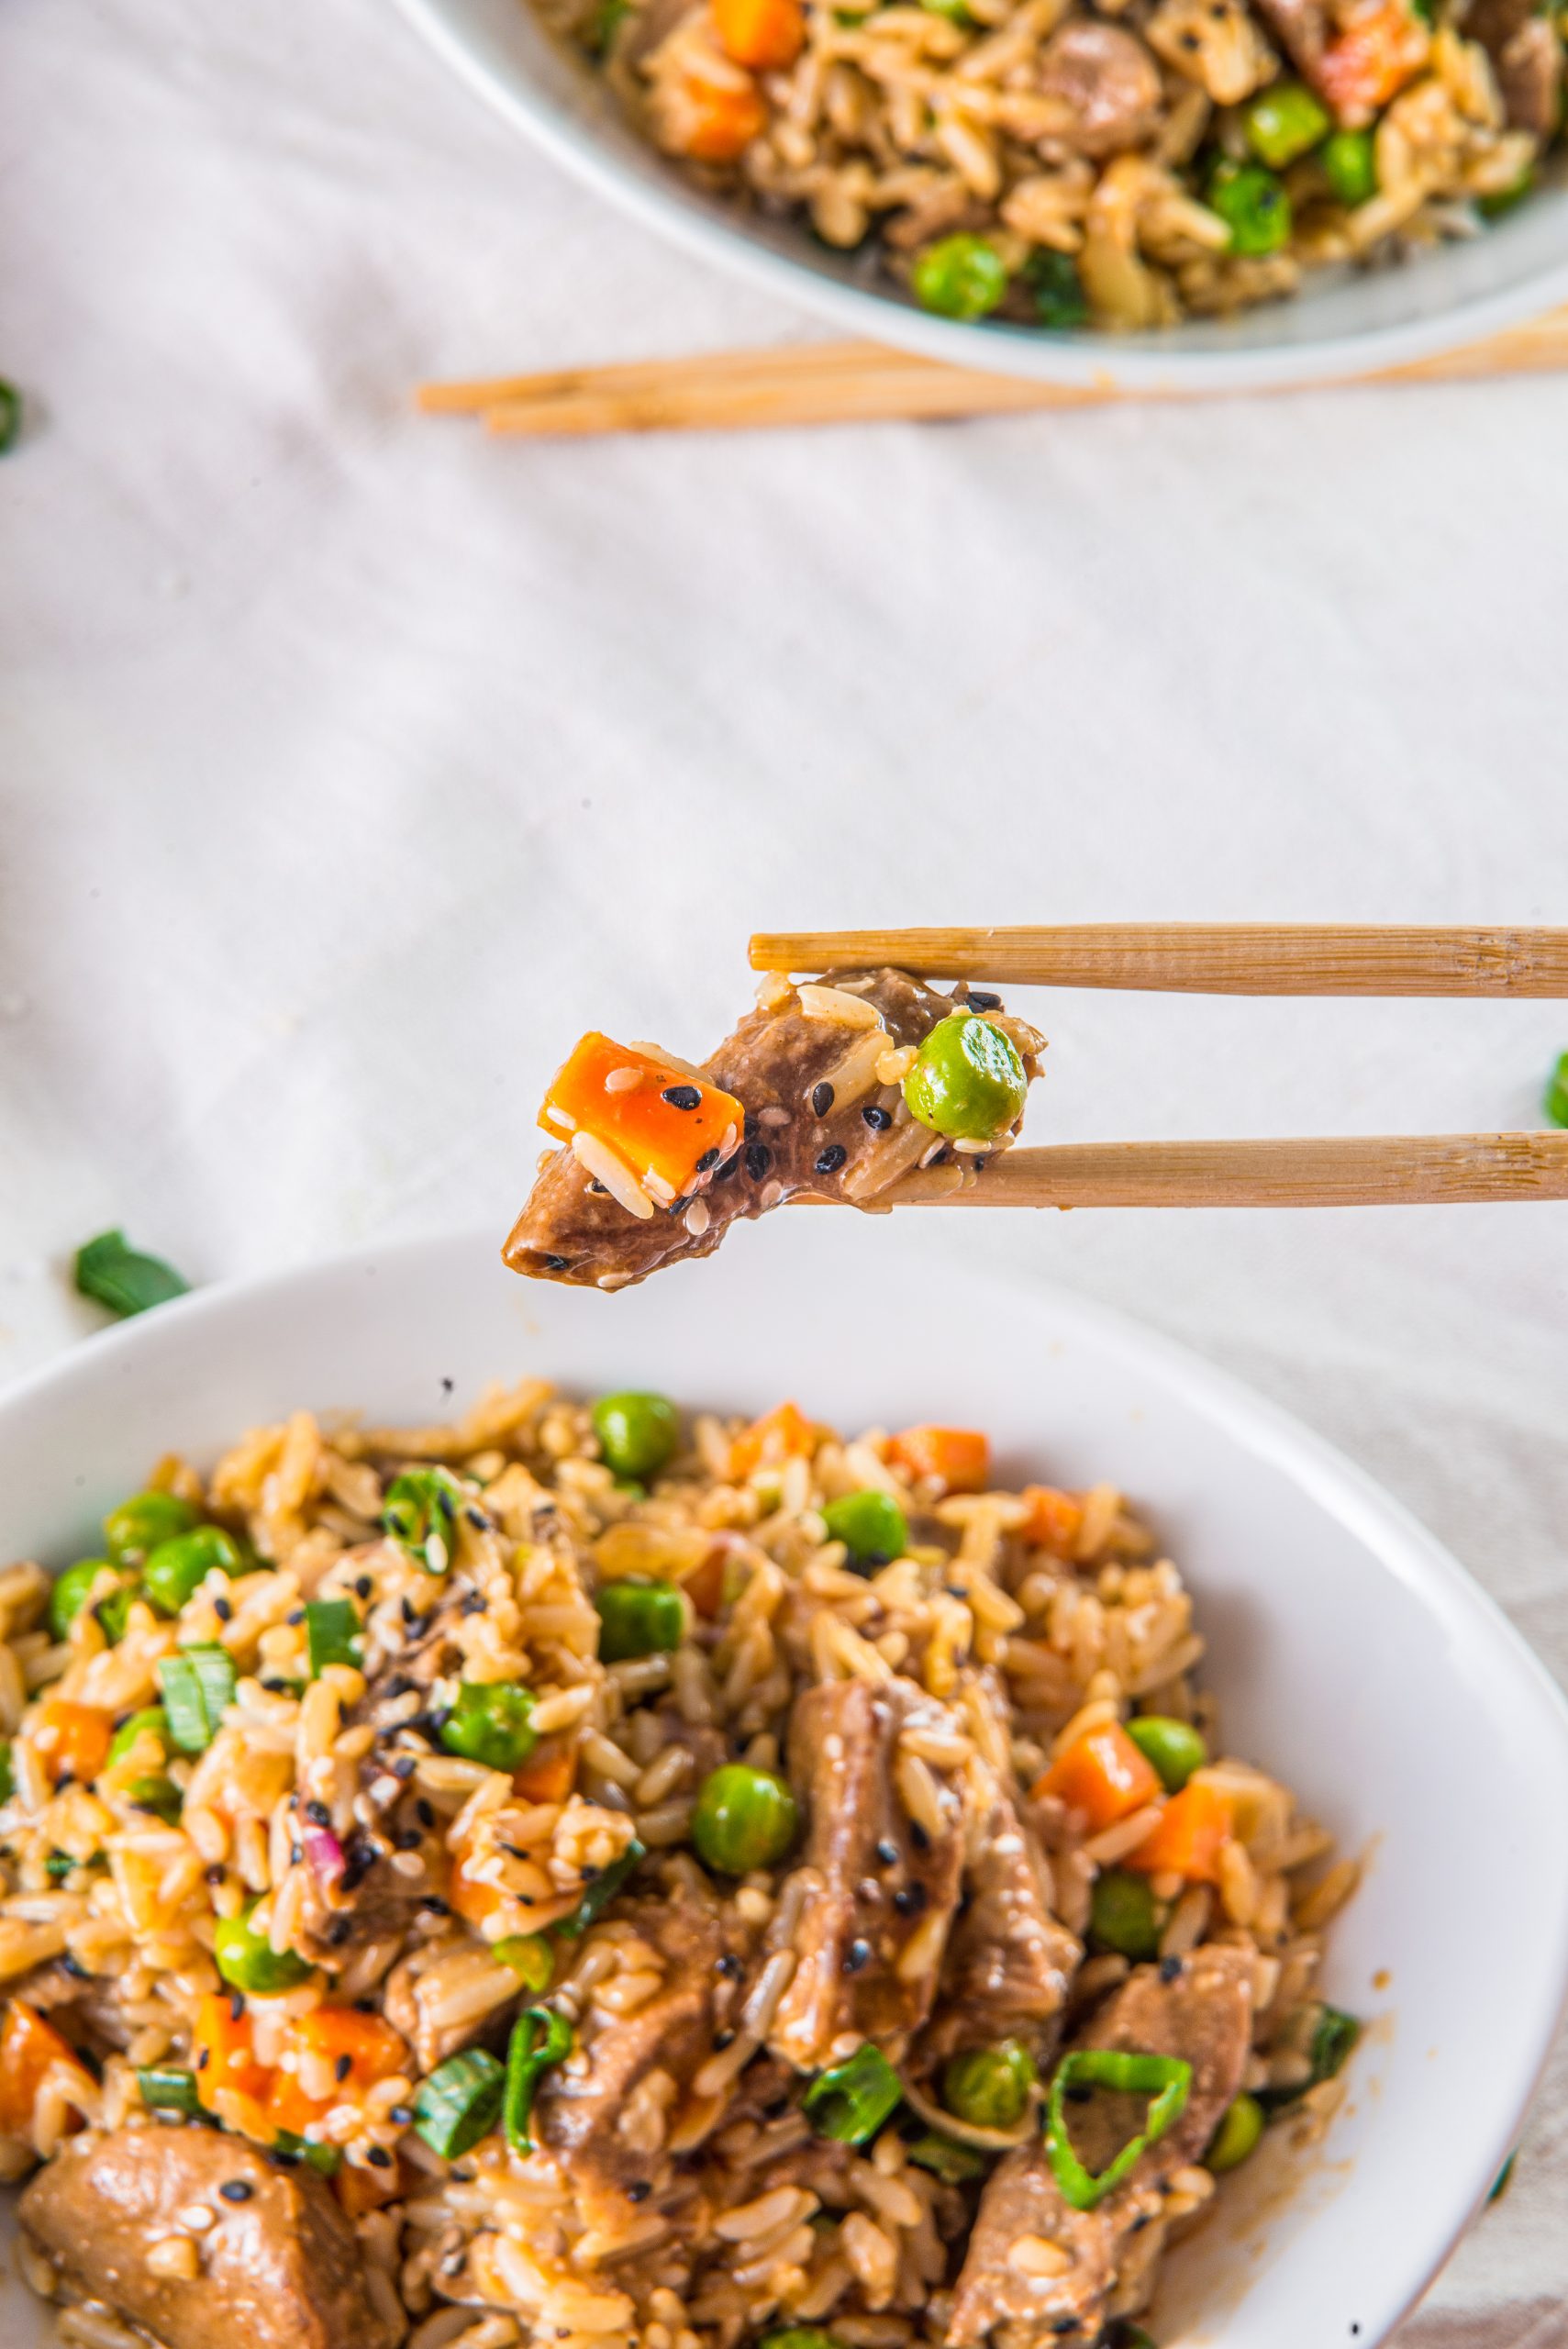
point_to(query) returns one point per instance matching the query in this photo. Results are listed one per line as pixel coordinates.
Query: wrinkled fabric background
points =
(349, 765)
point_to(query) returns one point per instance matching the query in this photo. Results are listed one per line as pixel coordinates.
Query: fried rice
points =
(685, 2186)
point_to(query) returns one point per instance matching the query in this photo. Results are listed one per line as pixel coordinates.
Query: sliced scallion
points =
(539, 2038)
(850, 2101)
(165, 2090)
(530, 1957)
(601, 1892)
(459, 2102)
(197, 1686)
(421, 1513)
(1166, 2079)
(954, 2163)
(332, 1633)
(328, 2159)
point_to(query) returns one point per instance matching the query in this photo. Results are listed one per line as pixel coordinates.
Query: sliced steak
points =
(610, 2141)
(279, 2266)
(1526, 57)
(1010, 1962)
(873, 1877)
(1302, 29)
(806, 1085)
(1202, 2013)
(1108, 81)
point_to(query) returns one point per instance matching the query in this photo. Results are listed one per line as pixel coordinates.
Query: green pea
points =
(744, 1818)
(1253, 204)
(246, 1960)
(1122, 1915)
(140, 1524)
(492, 1722)
(1554, 1101)
(959, 277)
(989, 2086)
(1494, 207)
(967, 1080)
(870, 1525)
(639, 1618)
(637, 1433)
(1350, 165)
(177, 1569)
(1236, 2136)
(799, 2336)
(1052, 279)
(153, 1720)
(1174, 1749)
(68, 1594)
(1283, 121)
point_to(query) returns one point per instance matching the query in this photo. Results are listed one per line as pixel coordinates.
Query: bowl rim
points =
(1111, 366)
(1257, 1426)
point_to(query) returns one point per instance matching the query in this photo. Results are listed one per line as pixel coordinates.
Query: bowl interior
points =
(1350, 1654)
(1348, 323)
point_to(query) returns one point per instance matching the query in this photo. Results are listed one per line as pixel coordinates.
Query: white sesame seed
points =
(195, 2218)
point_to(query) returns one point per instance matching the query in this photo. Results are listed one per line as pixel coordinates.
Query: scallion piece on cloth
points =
(539, 2038)
(420, 1512)
(850, 2101)
(114, 1273)
(197, 1686)
(164, 2090)
(332, 1633)
(1555, 1102)
(459, 2102)
(601, 1892)
(1167, 2079)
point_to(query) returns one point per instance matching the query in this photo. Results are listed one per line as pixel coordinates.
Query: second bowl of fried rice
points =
(639, 1829)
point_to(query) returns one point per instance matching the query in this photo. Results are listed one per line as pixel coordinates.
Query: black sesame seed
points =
(318, 1814)
(877, 1116)
(918, 1836)
(640, 2189)
(1061, 2326)
(203, 2057)
(821, 1100)
(401, 2115)
(832, 1158)
(337, 1931)
(296, 1615)
(856, 1955)
(910, 1899)
(408, 1839)
(730, 1965)
(236, 2005)
(237, 2190)
(708, 1159)
(223, 1609)
(758, 1158)
(425, 1812)
(723, 2038)
(364, 2006)
(214, 1875)
(363, 1585)
(379, 2158)
(939, 1158)
(399, 1684)
(887, 1853)
(403, 1765)
(342, 2067)
(477, 1518)
(597, 1187)
(683, 1096)
(1170, 1969)
(437, 1908)
(554, 1263)
(72, 1965)
(473, 1603)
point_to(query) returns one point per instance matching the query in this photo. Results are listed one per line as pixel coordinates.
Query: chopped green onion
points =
(989, 2086)
(492, 1722)
(1173, 1748)
(421, 1513)
(246, 1960)
(803, 2336)
(1504, 2179)
(152, 1722)
(601, 1892)
(539, 2038)
(1334, 2034)
(118, 1275)
(1237, 2136)
(138, 1525)
(163, 2089)
(605, 22)
(1503, 200)
(68, 1593)
(331, 1633)
(197, 1687)
(1057, 289)
(850, 2101)
(7, 1773)
(176, 1569)
(872, 1526)
(530, 1957)
(954, 2163)
(113, 1613)
(639, 1618)
(1555, 1103)
(459, 2103)
(58, 1866)
(328, 2159)
(10, 416)
(1167, 2079)
(157, 1793)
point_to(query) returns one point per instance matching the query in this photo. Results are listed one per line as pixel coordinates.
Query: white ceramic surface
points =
(1348, 324)
(1350, 1652)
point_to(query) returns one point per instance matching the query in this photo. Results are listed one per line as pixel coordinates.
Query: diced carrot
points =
(1191, 1833)
(74, 1738)
(1054, 1521)
(1373, 57)
(781, 1434)
(546, 1775)
(225, 2052)
(334, 2051)
(1103, 1774)
(764, 34)
(658, 1120)
(472, 1900)
(957, 1458)
(708, 121)
(29, 2046)
(706, 1587)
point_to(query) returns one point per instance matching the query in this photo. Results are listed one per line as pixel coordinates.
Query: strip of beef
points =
(818, 1125)
(874, 1877)
(1010, 1962)
(1526, 57)
(279, 2265)
(1301, 27)
(1108, 81)
(610, 2140)
(1202, 2013)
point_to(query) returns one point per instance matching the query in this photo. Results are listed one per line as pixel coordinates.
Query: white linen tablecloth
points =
(349, 765)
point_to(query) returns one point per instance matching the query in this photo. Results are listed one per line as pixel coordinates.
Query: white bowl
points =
(1350, 1653)
(1349, 324)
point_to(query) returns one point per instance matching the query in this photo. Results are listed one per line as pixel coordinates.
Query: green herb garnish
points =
(1165, 2078)
(850, 2101)
(114, 1273)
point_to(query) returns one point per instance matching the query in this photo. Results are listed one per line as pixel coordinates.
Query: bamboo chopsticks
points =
(1199, 958)
(1224, 958)
(845, 382)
